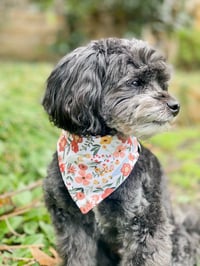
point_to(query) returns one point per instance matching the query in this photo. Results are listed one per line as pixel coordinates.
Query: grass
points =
(178, 151)
(27, 141)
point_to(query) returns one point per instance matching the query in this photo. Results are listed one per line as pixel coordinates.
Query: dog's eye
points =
(134, 83)
(165, 87)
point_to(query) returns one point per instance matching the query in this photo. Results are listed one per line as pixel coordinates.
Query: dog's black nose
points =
(174, 106)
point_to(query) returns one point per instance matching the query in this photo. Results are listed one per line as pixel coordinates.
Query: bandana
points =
(92, 167)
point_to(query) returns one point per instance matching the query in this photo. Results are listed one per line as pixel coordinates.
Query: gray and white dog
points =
(117, 87)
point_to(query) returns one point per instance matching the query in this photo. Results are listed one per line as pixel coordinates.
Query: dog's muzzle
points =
(173, 105)
(170, 101)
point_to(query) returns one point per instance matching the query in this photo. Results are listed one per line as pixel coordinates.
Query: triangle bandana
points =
(92, 167)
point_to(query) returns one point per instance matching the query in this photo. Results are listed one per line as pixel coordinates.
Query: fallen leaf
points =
(42, 258)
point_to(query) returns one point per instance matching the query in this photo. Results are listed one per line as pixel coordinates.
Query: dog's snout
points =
(174, 106)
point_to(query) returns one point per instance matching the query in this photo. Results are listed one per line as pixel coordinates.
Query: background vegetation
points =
(86, 20)
(27, 139)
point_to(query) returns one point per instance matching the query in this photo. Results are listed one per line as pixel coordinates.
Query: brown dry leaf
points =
(55, 254)
(6, 201)
(42, 258)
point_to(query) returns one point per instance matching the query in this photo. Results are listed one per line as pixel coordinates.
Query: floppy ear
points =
(73, 93)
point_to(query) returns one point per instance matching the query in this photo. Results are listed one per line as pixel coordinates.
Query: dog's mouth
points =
(160, 123)
(167, 121)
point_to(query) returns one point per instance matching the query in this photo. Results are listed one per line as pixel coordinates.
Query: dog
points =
(106, 193)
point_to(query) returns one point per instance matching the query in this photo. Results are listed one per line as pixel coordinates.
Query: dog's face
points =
(111, 86)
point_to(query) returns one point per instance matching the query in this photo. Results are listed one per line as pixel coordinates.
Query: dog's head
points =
(111, 86)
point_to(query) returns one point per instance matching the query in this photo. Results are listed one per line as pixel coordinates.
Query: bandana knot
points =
(92, 167)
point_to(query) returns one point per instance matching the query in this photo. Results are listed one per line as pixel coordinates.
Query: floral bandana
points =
(92, 167)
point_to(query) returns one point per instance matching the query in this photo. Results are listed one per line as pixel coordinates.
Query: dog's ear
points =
(73, 93)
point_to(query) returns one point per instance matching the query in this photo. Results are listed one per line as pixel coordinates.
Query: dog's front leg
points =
(76, 248)
(75, 232)
(76, 243)
(142, 248)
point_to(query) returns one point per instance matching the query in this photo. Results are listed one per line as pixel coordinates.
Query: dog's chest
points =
(104, 225)
(108, 231)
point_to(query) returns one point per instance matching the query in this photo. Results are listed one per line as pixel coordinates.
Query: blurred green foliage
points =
(127, 18)
(188, 54)
(23, 124)
(27, 141)
(178, 151)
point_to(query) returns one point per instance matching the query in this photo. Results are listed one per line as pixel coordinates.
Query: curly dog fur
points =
(117, 86)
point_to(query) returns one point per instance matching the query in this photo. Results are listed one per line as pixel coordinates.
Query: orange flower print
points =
(87, 207)
(106, 140)
(117, 162)
(95, 199)
(97, 169)
(129, 141)
(77, 139)
(83, 178)
(131, 157)
(74, 146)
(96, 182)
(126, 169)
(80, 195)
(83, 166)
(71, 169)
(119, 152)
(112, 167)
(104, 180)
(62, 143)
(60, 159)
(107, 192)
(62, 167)
(123, 139)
